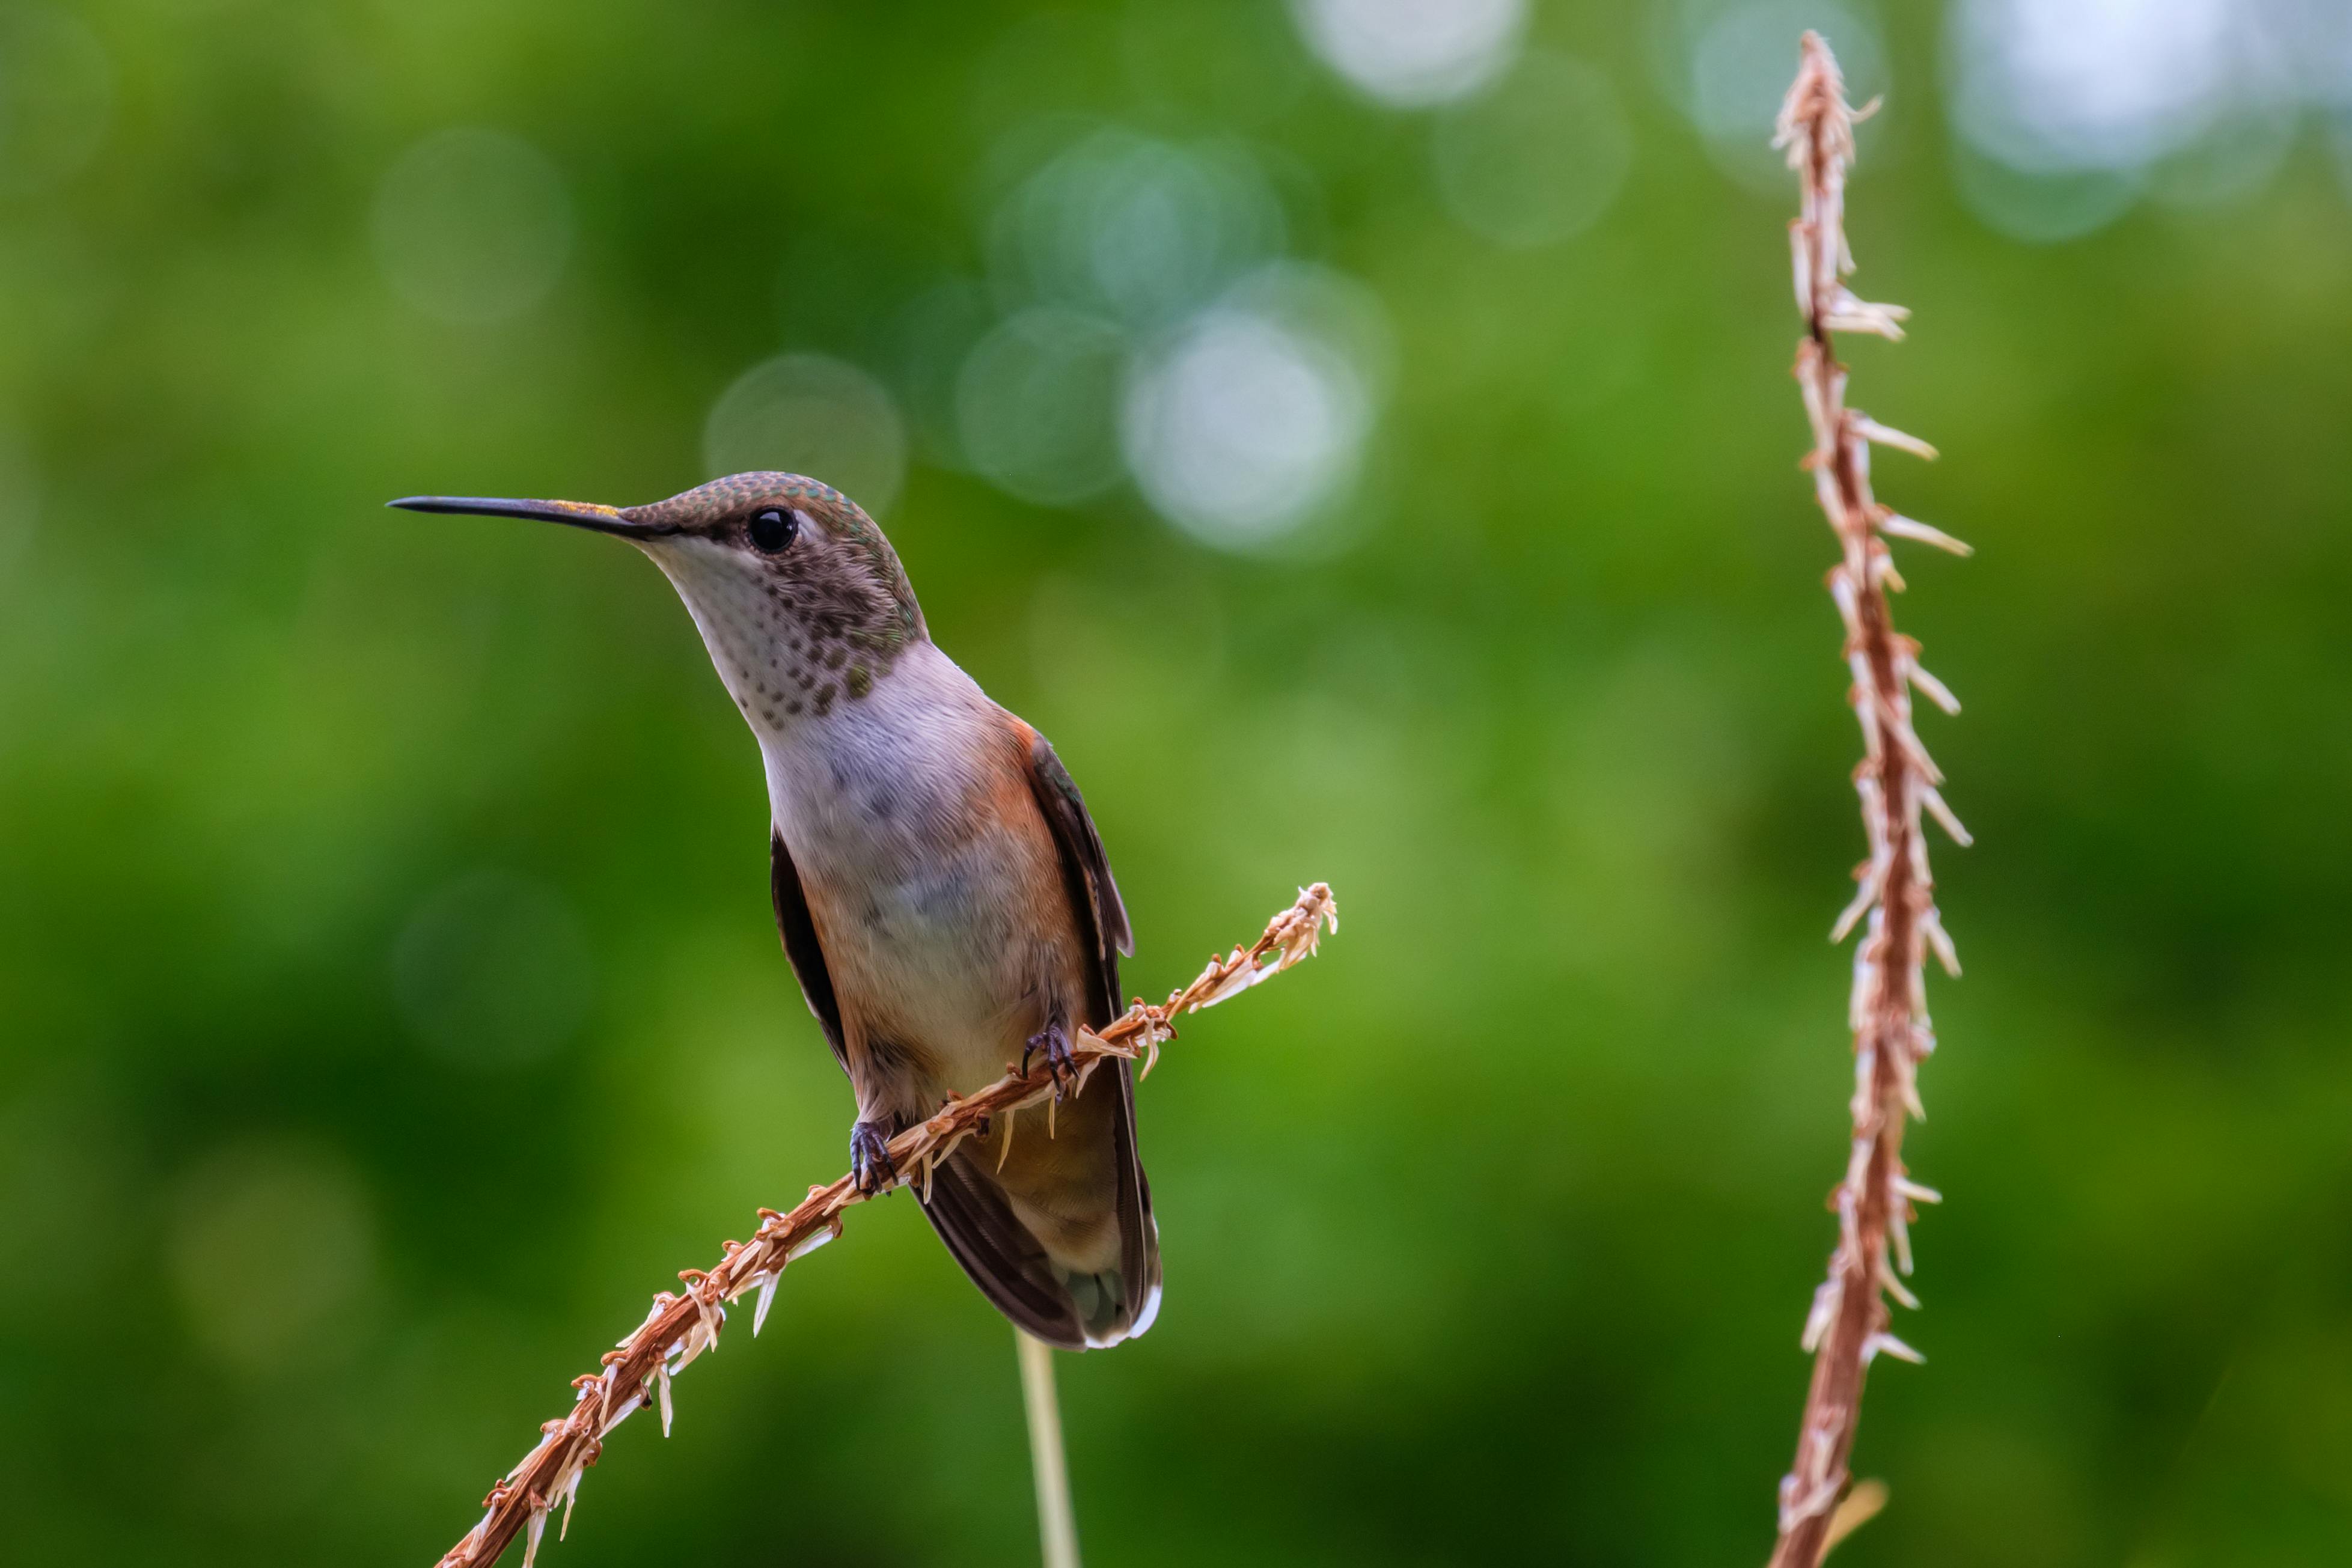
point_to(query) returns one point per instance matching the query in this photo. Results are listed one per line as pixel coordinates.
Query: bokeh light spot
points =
(1414, 53)
(472, 226)
(1540, 159)
(1035, 403)
(1727, 64)
(1133, 228)
(1247, 422)
(2041, 209)
(2238, 155)
(2190, 100)
(1740, 64)
(807, 413)
(932, 336)
(2060, 85)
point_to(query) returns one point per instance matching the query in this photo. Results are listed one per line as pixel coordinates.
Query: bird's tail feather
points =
(1071, 1307)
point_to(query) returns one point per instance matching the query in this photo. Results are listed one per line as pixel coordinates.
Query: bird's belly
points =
(932, 963)
(921, 886)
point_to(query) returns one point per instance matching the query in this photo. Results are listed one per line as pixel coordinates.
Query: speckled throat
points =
(795, 633)
(809, 609)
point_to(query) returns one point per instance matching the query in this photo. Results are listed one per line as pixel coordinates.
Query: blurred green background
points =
(1359, 434)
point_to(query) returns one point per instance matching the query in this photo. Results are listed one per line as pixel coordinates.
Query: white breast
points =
(914, 887)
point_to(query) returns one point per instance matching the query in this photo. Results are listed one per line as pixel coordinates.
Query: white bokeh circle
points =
(1411, 54)
(1252, 419)
(1134, 228)
(2057, 87)
(811, 414)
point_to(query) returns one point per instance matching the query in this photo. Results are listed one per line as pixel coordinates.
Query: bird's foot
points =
(1054, 1040)
(870, 1165)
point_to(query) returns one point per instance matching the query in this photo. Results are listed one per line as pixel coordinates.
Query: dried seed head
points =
(677, 1328)
(1895, 782)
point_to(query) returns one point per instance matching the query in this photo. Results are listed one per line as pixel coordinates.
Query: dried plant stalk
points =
(1848, 1326)
(682, 1326)
(1058, 1522)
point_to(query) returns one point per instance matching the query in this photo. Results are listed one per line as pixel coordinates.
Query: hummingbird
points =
(941, 891)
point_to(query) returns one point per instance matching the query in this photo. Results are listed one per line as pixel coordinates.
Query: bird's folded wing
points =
(1094, 895)
(799, 933)
(968, 1210)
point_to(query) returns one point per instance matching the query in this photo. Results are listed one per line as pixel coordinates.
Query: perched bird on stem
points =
(941, 891)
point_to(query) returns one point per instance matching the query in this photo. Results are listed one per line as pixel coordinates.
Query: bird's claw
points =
(1054, 1040)
(870, 1165)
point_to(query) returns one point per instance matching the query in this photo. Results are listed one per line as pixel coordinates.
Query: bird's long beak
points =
(576, 514)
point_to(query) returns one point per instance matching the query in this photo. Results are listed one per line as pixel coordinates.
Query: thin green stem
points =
(1058, 1527)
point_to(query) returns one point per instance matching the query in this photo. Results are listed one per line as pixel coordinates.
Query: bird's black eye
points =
(773, 528)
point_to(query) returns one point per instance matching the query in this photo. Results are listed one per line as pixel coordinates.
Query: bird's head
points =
(798, 597)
